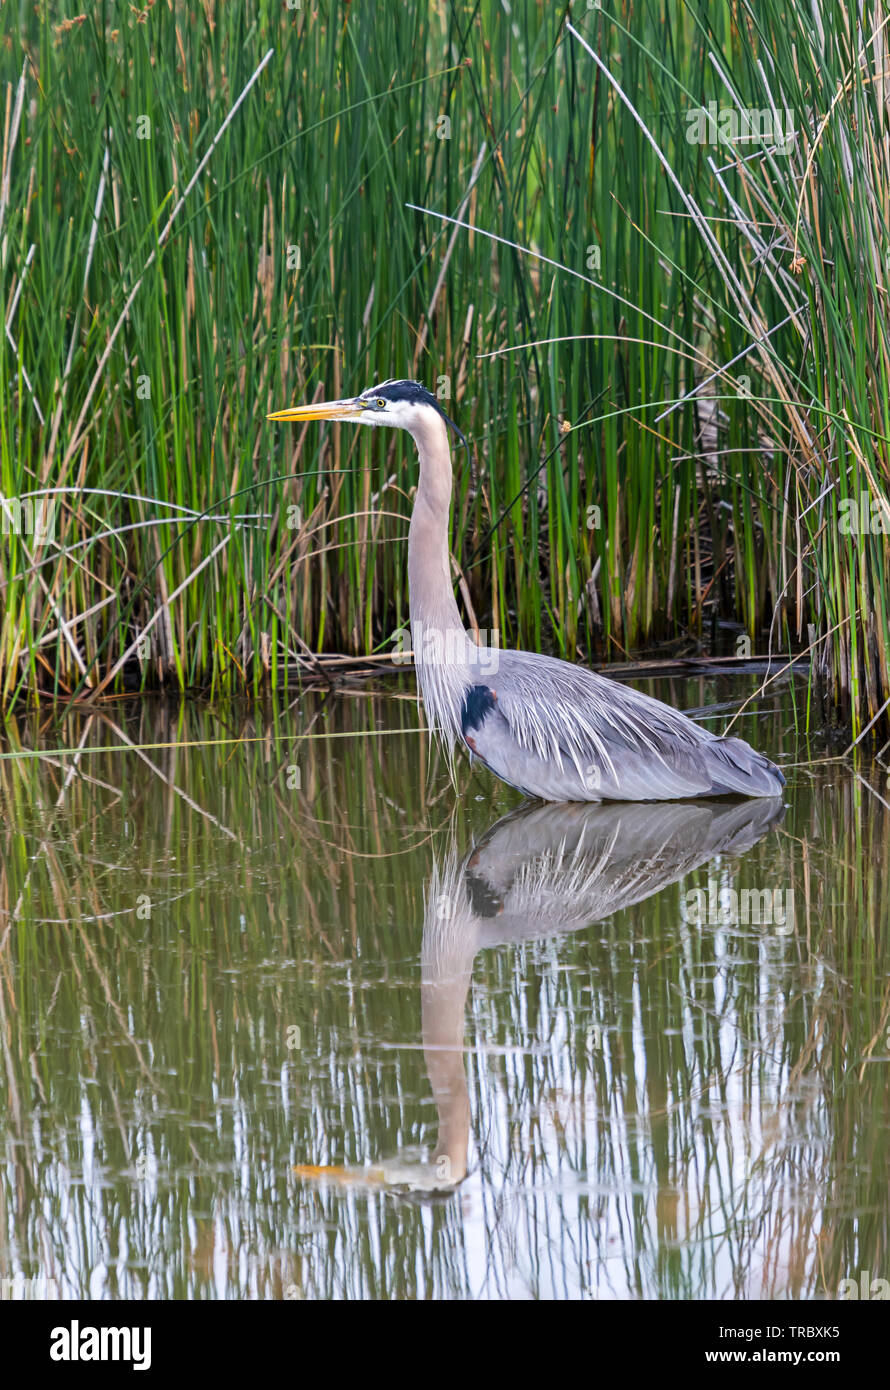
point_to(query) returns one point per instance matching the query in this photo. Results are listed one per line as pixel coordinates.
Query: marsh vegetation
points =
(663, 325)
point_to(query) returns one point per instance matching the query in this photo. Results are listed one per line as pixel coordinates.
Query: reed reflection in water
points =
(531, 1071)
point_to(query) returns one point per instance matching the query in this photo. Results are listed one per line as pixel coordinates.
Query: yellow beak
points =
(323, 410)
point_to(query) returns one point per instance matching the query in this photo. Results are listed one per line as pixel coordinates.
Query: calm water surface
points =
(285, 1015)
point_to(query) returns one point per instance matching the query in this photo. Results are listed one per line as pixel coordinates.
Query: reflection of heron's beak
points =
(396, 1174)
(343, 1177)
(323, 410)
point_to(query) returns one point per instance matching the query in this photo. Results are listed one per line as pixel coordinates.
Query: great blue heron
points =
(553, 730)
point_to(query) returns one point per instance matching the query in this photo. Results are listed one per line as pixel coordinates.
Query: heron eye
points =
(380, 403)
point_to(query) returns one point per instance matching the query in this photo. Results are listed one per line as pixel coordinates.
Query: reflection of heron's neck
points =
(450, 938)
(443, 1004)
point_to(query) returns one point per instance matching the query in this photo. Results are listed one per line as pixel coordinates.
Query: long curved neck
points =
(444, 653)
(429, 566)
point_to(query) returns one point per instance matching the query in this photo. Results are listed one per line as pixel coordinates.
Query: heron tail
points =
(737, 768)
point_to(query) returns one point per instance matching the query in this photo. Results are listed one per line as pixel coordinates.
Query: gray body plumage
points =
(561, 733)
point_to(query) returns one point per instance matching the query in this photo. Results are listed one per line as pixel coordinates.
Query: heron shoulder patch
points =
(479, 701)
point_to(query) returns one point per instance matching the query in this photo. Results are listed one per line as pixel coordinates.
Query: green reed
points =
(295, 266)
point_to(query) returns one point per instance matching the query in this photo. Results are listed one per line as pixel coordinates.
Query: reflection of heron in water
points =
(540, 872)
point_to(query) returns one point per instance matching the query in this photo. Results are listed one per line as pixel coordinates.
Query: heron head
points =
(405, 405)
